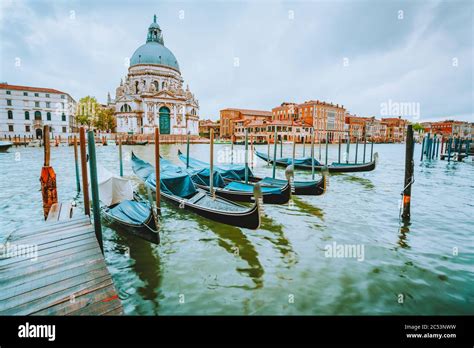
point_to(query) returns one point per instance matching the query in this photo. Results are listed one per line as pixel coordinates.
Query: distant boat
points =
(305, 163)
(238, 191)
(5, 145)
(121, 206)
(35, 143)
(236, 173)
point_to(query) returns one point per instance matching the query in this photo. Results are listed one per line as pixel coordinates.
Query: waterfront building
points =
(322, 116)
(356, 126)
(205, 127)
(24, 110)
(396, 129)
(449, 128)
(153, 94)
(231, 116)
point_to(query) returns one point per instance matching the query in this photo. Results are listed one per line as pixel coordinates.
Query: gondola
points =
(5, 145)
(135, 142)
(122, 207)
(236, 173)
(177, 187)
(237, 191)
(305, 164)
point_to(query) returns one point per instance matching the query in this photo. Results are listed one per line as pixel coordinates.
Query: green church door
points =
(164, 120)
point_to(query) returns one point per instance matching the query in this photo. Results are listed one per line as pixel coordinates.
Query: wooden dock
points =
(60, 272)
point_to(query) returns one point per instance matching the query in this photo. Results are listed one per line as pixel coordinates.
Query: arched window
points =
(63, 117)
(27, 115)
(157, 85)
(163, 85)
(48, 116)
(10, 115)
(38, 115)
(125, 108)
(193, 112)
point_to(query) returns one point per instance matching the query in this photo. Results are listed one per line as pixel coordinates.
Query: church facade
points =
(152, 93)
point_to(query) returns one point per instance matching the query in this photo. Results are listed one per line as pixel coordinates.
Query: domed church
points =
(152, 93)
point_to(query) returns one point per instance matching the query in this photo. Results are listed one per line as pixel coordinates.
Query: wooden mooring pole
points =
(246, 155)
(85, 182)
(94, 188)
(312, 154)
(157, 169)
(76, 163)
(409, 166)
(275, 152)
(187, 150)
(211, 162)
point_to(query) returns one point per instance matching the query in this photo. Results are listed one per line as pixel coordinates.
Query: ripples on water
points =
(219, 269)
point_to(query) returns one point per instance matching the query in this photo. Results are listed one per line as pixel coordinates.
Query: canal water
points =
(203, 267)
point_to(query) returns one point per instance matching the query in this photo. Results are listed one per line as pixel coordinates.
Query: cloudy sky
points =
(366, 55)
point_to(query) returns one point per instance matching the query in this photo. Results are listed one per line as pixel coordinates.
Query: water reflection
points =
(308, 208)
(403, 234)
(146, 265)
(234, 241)
(366, 183)
(281, 243)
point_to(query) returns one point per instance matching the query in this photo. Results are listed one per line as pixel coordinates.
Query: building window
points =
(9, 92)
(64, 129)
(48, 116)
(10, 115)
(27, 128)
(125, 108)
(10, 128)
(63, 117)
(62, 96)
(48, 104)
(37, 95)
(9, 102)
(27, 115)
(37, 104)
(62, 106)
(38, 115)
(25, 94)
(47, 95)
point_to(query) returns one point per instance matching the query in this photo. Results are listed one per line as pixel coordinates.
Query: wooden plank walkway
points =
(60, 272)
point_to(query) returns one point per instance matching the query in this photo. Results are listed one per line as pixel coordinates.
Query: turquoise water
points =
(203, 267)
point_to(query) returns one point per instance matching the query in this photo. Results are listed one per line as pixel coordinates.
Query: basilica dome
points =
(154, 51)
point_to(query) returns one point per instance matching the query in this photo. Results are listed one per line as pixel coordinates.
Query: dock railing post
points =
(95, 188)
(157, 170)
(409, 166)
(48, 178)
(85, 182)
(76, 163)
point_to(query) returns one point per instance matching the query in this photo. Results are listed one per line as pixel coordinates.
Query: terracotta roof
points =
(29, 89)
(250, 112)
